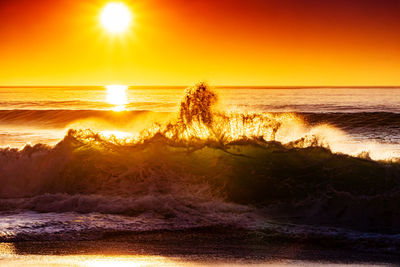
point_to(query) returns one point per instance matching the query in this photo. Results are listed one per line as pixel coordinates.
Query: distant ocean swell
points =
(207, 168)
(62, 118)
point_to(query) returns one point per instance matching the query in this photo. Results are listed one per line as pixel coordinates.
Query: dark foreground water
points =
(195, 247)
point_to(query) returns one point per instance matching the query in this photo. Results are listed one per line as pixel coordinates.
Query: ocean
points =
(368, 117)
(270, 165)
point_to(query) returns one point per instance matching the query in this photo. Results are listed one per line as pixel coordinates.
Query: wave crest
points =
(200, 122)
(203, 162)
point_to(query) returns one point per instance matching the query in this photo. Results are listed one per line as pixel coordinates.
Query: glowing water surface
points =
(9, 257)
(238, 99)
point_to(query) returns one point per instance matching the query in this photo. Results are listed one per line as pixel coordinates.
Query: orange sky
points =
(181, 42)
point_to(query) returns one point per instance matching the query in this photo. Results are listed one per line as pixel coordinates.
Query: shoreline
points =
(194, 247)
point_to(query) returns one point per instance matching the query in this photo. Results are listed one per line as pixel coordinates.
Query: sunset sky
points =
(224, 42)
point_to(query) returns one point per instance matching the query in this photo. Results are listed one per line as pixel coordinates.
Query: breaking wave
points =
(208, 167)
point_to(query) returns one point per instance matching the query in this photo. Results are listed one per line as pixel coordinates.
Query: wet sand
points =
(187, 249)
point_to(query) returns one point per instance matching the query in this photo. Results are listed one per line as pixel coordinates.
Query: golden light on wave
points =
(116, 17)
(116, 95)
(116, 134)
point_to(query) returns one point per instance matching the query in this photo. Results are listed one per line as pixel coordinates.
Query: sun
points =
(116, 17)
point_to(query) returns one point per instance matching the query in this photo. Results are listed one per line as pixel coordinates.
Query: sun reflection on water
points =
(116, 95)
(6, 249)
(131, 261)
(9, 257)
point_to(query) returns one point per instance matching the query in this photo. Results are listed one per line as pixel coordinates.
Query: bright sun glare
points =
(116, 17)
(116, 95)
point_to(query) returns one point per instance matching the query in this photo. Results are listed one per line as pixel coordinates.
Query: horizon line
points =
(214, 86)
